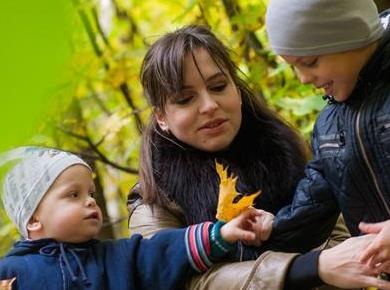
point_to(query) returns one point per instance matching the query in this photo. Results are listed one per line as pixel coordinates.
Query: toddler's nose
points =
(91, 202)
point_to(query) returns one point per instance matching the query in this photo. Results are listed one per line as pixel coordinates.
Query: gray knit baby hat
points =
(27, 182)
(316, 27)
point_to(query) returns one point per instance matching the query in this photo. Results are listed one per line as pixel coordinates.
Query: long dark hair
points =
(162, 78)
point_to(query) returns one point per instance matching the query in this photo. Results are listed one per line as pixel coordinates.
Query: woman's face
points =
(207, 112)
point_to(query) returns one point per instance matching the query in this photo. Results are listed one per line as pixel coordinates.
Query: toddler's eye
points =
(92, 194)
(74, 194)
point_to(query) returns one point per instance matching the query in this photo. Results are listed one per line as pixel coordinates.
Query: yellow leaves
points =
(119, 72)
(230, 202)
(114, 124)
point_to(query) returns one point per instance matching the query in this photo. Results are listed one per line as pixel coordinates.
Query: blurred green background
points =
(34, 50)
(69, 79)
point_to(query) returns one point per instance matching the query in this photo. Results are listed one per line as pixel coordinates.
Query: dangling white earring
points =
(163, 126)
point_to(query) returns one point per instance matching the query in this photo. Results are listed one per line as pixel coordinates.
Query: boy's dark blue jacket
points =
(350, 170)
(136, 263)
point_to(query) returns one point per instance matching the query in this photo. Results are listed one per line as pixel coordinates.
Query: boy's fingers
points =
(382, 258)
(368, 253)
(384, 267)
(379, 283)
(371, 228)
(371, 282)
(269, 218)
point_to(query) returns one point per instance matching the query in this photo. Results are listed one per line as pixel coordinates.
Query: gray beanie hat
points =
(28, 181)
(316, 27)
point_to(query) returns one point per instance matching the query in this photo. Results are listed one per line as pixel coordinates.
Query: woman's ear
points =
(34, 225)
(161, 121)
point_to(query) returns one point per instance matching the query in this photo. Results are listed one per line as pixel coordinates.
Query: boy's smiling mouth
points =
(328, 87)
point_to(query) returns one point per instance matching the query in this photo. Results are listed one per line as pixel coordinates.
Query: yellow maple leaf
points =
(230, 202)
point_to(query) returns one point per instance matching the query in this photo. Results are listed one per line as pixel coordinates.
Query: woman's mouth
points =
(212, 124)
(214, 127)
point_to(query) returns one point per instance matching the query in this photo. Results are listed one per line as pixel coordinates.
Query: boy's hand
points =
(377, 254)
(262, 227)
(245, 227)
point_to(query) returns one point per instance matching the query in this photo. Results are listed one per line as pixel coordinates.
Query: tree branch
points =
(123, 86)
(126, 93)
(232, 9)
(99, 28)
(99, 155)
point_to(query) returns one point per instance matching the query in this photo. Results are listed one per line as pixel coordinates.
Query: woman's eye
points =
(219, 87)
(183, 100)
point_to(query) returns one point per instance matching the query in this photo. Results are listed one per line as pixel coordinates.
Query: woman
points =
(202, 112)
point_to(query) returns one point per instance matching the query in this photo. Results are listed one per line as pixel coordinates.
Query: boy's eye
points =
(92, 194)
(311, 62)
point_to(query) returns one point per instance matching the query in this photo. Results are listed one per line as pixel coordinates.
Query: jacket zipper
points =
(369, 166)
(329, 145)
(338, 144)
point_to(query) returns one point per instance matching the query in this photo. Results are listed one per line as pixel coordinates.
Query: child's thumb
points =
(246, 236)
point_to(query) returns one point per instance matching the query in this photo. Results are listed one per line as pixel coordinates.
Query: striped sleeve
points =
(204, 245)
(197, 240)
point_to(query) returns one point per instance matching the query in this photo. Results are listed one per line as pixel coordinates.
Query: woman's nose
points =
(208, 103)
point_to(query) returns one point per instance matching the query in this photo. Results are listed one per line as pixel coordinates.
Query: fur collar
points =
(260, 156)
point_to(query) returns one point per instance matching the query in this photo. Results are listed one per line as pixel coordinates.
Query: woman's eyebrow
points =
(210, 78)
(215, 76)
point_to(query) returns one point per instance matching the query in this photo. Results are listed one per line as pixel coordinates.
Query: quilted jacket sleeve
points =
(308, 221)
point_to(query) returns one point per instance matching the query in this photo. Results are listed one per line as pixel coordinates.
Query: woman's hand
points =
(340, 266)
(377, 254)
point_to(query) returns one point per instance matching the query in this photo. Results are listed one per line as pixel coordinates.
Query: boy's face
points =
(68, 212)
(336, 73)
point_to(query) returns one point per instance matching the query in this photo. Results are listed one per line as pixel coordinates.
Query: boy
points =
(49, 197)
(342, 47)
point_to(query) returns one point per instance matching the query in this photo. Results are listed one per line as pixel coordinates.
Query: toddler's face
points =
(68, 212)
(336, 73)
